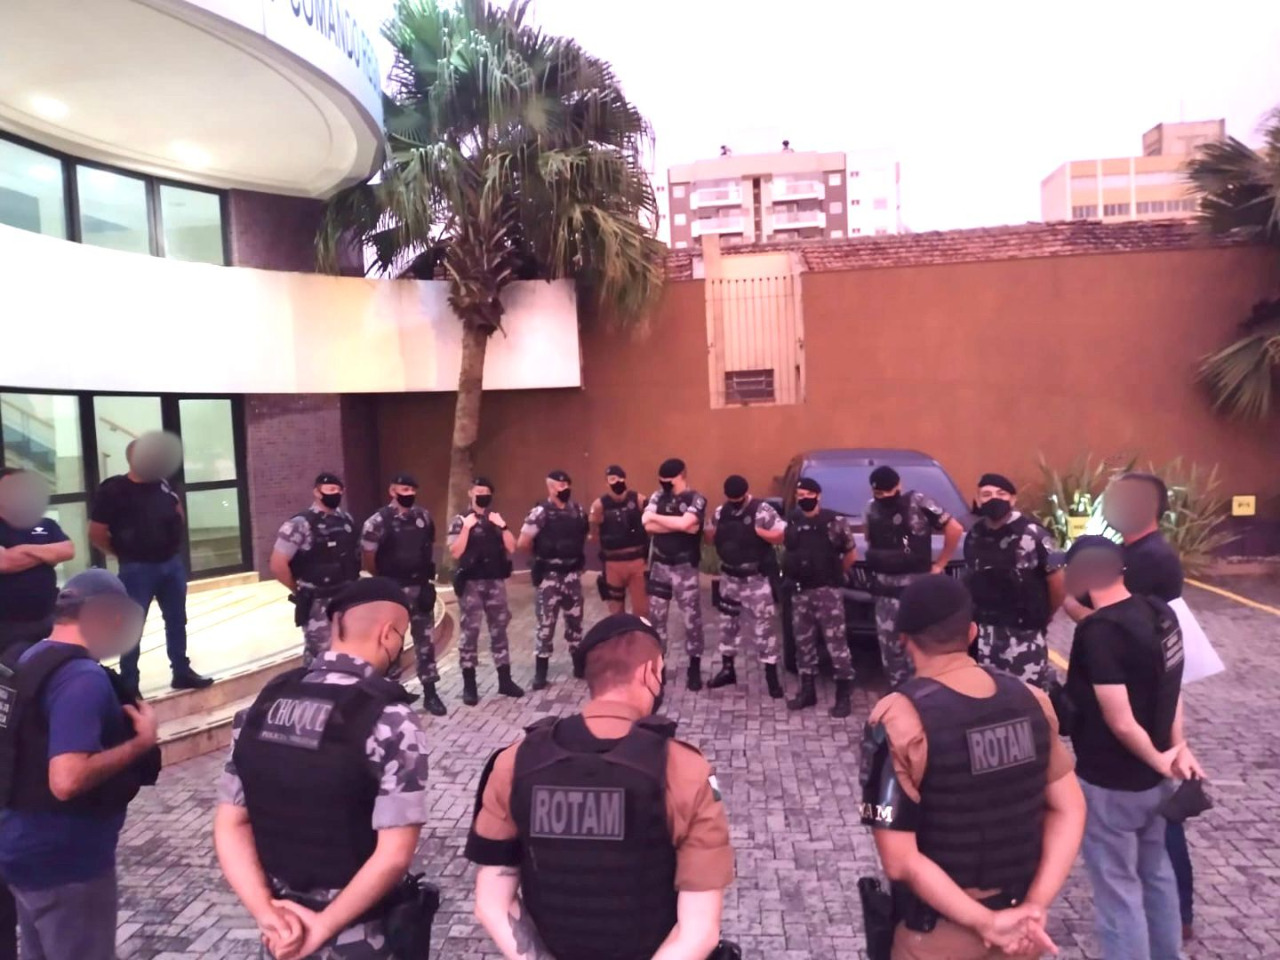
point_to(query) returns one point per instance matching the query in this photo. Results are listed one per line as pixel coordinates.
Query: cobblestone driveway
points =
(790, 783)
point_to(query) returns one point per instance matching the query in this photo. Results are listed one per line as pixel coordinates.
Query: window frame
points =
(152, 185)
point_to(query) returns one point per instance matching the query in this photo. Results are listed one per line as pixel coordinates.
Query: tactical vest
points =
(675, 548)
(486, 555)
(622, 535)
(307, 783)
(562, 541)
(24, 740)
(405, 551)
(742, 552)
(812, 560)
(333, 559)
(983, 794)
(598, 870)
(1167, 665)
(154, 531)
(1003, 595)
(892, 546)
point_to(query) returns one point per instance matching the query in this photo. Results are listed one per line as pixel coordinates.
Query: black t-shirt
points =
(1105, 653)
(29, 594)
(1152, 568)
(144, 519)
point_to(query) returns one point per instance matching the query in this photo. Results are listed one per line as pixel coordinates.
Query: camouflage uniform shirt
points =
(767, 518)
(375, 528)
(922, 513)
(537, 518)
(1036, 550)
(295, 533)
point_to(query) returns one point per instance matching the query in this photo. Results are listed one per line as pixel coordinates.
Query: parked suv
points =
(845, 476)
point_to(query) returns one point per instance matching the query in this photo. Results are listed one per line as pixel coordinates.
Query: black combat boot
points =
(540, 665)
(841, 708)
(470, 695)
(693, 679)
(579, 668)
(771, 678)
(506, 686)
(431, 701)
(806, 696)
(727, 676)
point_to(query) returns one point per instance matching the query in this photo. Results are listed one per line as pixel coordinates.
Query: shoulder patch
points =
(715, 788)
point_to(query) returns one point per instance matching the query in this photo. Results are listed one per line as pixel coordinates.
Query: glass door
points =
(212, 484)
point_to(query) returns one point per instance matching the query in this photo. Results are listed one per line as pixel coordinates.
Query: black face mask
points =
(892, 500)
(667, 485)
(564, 495)
(331, 500)
(619, 487)
(483, 500)
(406, 500)
(662, 693)
(737, 504)
(995, 509)
(807, 504)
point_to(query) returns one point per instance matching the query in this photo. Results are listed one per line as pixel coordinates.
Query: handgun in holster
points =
(661, 589)
(303, 598)
(410, 915)
(726, 950)
(879, 917)
(459, 582)
(608, 592)
(427, 591)
(537, 572)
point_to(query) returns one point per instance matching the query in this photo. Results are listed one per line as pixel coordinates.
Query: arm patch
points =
(885, 805)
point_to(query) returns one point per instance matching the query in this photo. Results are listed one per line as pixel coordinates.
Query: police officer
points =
(316, 554)
(977, 815)
(556, 531)
(617, 524)
(482, 545)
(399, 542)
(674, 516)
(31, 545)
(900, 530)
(744, 531)
(1014, 572)
(319, 877)
(599, 835)
(820, 548)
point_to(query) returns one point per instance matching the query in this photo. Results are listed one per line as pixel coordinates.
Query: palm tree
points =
(511, 155)
(1239, 191)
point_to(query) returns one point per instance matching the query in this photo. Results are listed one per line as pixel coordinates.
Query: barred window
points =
(748, 386)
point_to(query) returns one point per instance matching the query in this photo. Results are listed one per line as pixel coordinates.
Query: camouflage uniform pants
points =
(315, 635)
(421, 627)
(559, 591)
(484, 600)
(1023, 653)
(821, 608)
(897, 662)
(686, 592)
(756, 598)
(362, 941)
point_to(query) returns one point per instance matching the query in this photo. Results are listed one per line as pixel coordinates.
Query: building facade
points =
(780, 197)
(1149, 187)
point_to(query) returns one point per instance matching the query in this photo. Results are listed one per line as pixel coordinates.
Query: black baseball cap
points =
(613, 470)
(559, 476)
(367, 590)
(671, 468)
(930, 600)
(614, 625)
(404, 480)
(326, 478)
(884, 478)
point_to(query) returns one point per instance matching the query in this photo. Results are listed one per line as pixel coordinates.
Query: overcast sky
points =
(980, 100)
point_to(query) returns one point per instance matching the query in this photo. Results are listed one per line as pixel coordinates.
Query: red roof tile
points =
(1028, 241)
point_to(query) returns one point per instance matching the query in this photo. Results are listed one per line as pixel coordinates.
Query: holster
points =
(878, 917)
(537, 572)
(608, 592)
(427, 595)
(657, 588)
(302, 601)
(726, 605)
(409, 918)
(726, 950)
(459, 583)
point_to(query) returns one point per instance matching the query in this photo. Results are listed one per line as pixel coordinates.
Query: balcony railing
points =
(716, 197)
(730, 224)
(798, 219)
(798, 189)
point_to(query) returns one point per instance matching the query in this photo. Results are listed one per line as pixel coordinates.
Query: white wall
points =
(74, 317)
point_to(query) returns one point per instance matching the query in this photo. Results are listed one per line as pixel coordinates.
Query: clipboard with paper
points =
(1200, 660)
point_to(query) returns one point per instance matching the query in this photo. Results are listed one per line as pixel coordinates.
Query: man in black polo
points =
(31, 545)
(137, 517)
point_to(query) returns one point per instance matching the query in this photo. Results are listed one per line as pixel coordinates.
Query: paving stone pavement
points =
(791, 786)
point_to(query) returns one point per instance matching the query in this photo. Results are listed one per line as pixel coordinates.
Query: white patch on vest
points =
(1000, 746)
(7, 697)
(571, 813)
(296, 723)
(1172, 645)
(715, 786)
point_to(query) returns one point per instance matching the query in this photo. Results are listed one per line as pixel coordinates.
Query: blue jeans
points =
(1175, 842)
(1135, 896)
(166, 583)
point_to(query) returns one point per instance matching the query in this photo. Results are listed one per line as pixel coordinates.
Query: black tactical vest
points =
(405, 551)
(622, 535)
(892, 546)
(812, 560)
(1003, 595)
(562, 541)
(742, 552)
(486, 555)
(598, 870)
(24, 741)
(1167, 659)
(333, 559)
(307, 781)
(674, 548)
(983, 794)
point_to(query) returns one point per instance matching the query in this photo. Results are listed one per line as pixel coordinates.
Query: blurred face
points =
(155, 456)
(1093, 570)
(110, 626)
(481, 497)
(24, 498)
(1130, 506)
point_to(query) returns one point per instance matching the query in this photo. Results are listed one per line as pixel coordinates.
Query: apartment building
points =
(1150, 187)
(788, 195)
